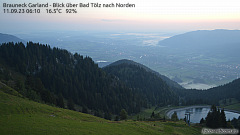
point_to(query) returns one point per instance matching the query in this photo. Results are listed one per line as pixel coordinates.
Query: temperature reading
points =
(54, 11)
(56, 7)
(71, 11)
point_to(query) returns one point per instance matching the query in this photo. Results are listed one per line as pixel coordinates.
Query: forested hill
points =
(4, 38)
(53, 75)
(170, 82)
(145, 81)
(213, 95)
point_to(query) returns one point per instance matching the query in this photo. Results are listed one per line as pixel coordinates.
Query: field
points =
(21, 116)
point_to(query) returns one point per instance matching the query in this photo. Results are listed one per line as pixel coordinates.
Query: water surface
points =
(199, 112)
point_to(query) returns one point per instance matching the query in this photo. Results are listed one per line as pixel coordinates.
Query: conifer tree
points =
(223, 119)
(60, 101)
(123, 114)
(174, 117)
(70, 104)
(215, 118)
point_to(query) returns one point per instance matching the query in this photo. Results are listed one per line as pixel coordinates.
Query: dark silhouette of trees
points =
(70, 104)
(116, 118)
(223, 121)
(123, 114)
(202, 121)
(149, 86)
(174, 117)
(215, 118)
(51, 75)
(153, 115)
(60, 101)
(210, 96)
(107, 116)
(235, 122)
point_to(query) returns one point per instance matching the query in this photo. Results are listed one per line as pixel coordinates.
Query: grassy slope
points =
(233, 107)
(146, 113)
(22, 116)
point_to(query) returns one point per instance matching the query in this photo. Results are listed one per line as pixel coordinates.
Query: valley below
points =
(100, 67)
(91, 83)
(200, 68)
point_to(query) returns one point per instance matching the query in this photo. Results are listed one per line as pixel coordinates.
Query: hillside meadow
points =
(22, 116)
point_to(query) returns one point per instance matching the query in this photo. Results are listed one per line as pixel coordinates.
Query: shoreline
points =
(229, 110)
(197, 106)
(187, 107)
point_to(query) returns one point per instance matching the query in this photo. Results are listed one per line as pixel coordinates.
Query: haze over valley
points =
(198, 59)
(93, 67)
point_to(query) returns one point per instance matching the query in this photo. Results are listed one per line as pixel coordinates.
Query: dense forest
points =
(210, 96)
(215, 118)
(140, 77)
(153, 88)
(57, 77)
(168, 81)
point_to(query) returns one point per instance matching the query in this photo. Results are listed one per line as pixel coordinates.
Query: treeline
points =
(210, 96)
(152, 88)
(168, 81)
(235, 122)
(215, 118)
(55, 76)
(58, 77)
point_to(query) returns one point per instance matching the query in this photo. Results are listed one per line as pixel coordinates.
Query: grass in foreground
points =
(22, 116)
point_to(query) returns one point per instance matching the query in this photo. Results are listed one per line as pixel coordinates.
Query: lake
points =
(198, 112)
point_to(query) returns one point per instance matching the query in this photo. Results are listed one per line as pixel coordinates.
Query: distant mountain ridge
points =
(170, 82)
(4, 38)
(203, 39)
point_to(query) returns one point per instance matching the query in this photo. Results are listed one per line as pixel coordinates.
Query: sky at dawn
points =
(147, 15)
